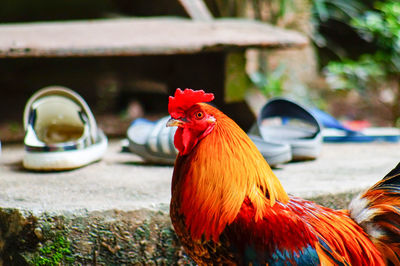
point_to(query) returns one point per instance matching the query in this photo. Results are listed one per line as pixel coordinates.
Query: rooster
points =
(228, 207)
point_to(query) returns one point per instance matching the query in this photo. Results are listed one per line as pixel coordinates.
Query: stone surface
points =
(122, 181)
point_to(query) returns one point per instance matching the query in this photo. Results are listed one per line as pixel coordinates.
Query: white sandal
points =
(60, 131)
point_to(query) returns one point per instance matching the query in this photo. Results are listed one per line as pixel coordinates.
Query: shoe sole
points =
(64, 160)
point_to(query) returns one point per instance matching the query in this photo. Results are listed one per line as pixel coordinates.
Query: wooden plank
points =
(140, 36)
(197, 9)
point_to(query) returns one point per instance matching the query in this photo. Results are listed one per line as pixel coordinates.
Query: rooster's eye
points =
(199, 115)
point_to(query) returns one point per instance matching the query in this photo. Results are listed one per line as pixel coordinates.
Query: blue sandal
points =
(334, 131)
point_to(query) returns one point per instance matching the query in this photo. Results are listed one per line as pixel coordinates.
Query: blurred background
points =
(350, 67)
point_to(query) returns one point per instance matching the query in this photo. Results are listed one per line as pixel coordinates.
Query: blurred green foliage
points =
(272, 83)
(349, 74)
(341, 11)
(382, 27)
(372, 72)
(332, 33)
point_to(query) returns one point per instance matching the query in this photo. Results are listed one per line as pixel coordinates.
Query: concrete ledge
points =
(121, 181)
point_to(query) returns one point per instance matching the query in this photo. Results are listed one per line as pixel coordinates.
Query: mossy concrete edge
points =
(140, 237)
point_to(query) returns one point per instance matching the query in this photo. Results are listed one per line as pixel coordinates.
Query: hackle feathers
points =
(214, 192)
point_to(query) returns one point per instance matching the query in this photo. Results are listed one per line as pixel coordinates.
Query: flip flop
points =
(60, 131)
(286, 122)
(154, 142)
(334, 131)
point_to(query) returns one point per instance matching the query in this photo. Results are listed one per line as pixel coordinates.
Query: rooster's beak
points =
(175, 123)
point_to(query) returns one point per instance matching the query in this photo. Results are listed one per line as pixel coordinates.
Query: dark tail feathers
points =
(377, 211)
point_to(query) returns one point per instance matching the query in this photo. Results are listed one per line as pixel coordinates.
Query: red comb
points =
(183, 100)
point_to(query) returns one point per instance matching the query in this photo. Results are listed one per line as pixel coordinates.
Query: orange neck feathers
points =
(222, 170)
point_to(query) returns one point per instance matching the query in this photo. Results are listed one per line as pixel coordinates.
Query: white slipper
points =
(60, 131)
(287, 122)
(153, 141)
